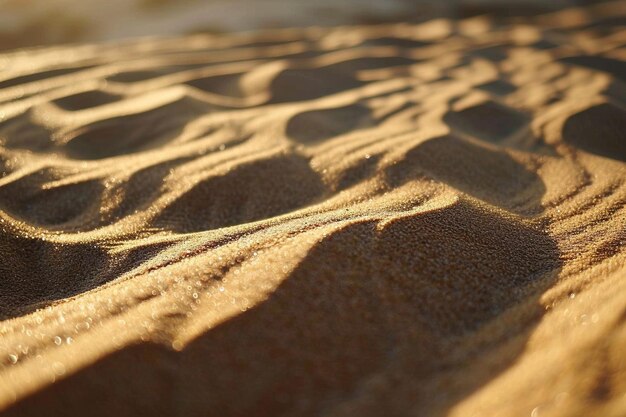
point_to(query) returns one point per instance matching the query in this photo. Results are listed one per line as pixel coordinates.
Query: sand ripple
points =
(375, 220)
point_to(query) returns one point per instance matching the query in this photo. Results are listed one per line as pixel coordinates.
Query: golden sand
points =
(391, 220)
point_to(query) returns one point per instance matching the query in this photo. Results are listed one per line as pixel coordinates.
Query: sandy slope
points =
(418, 220)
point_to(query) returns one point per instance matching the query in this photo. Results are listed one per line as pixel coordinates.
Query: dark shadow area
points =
(360, 171)
(136, 76)
(6, 167)
(133, 133)
(607, 26)
(20, 132)
(224, 85)
(484, 172)
(86, 100)
(28, 199)
(498, 87)
(495, 53)
(43, 75)
(144, 187)
(487, 121)
(616, 91)
(317, 125)
(384, 304)
(58, 270)
(76, 206)
(599, 129)
(307, 84)
(145, 75)
(249, 192)
(53, 267)
(545, 44)
(396, 42)
(611, 66)
(310, 83)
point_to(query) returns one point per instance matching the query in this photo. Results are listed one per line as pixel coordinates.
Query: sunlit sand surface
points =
(378, 220)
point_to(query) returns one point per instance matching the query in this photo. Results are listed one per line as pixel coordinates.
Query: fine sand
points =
(385, 220)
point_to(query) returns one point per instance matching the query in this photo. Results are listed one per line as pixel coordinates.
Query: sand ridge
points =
(400, 219)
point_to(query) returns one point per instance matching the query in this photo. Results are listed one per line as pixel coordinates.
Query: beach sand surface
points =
(396, 219)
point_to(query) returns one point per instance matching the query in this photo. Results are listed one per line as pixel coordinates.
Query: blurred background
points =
(28, 23)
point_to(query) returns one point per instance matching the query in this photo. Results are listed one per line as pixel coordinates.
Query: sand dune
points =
(401, 219)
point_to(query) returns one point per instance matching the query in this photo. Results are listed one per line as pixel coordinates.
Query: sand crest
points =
(403, 219)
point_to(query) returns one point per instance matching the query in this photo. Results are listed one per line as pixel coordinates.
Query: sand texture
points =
(378, 220)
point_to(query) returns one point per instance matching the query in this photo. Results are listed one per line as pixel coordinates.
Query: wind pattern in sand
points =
(373, 220)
